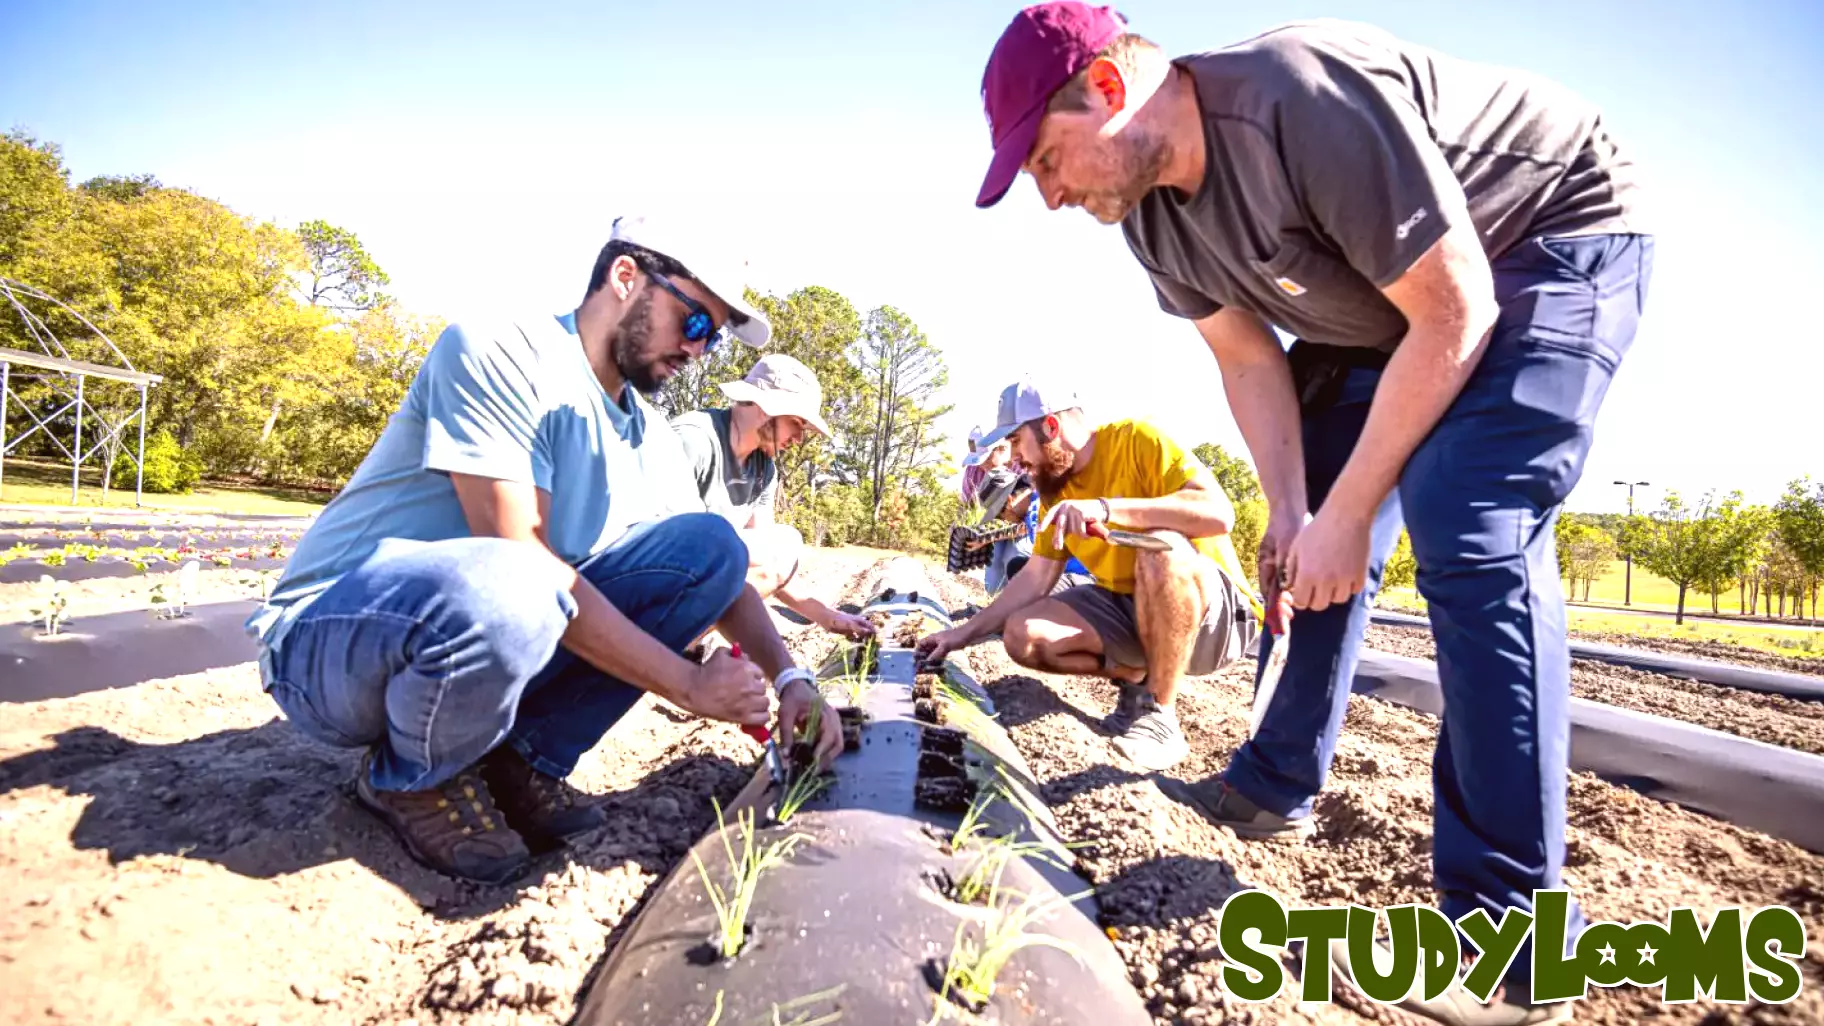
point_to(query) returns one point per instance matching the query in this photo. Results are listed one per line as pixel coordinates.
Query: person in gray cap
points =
(733, 457)
(1152, 616)
(513, 567)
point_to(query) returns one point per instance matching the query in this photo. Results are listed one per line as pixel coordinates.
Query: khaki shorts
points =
(1227, 630)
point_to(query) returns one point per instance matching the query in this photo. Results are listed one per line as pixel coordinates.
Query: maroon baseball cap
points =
(1045, 47)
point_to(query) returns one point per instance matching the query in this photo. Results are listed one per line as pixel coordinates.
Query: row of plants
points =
(141, 558)
(1004, 920)
(170, 598)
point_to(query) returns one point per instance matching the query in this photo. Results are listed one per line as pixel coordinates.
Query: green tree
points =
(1799, 520)
(342, 274)
(902, 373)
(1402, 567)
(1236, 475)
(1686, 545)
(1585, 552)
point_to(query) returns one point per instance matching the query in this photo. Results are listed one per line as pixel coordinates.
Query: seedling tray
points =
(972, 547)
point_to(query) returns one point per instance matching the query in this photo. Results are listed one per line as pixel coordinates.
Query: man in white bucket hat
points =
(732, 454)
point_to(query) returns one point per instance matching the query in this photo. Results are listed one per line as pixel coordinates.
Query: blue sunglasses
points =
(699, 326)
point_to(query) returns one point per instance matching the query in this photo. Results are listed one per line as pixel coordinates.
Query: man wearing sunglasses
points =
(512, 567)
(733, 456)
(1460, 250)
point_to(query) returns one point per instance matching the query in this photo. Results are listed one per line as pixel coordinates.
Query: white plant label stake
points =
(55, 603)
(171, 607)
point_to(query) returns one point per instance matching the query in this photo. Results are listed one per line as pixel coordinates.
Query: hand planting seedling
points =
(51, 611)
(733, 902)
(970, 975)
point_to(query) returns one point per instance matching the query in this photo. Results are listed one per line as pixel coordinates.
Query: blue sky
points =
(481, 153)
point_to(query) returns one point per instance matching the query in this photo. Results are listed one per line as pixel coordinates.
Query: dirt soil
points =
(1775, 719)
(175, 853)
(1162, 871)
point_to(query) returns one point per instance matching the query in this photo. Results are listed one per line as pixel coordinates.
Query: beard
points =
(1053, 469)
(631, 346)
(1137, 160)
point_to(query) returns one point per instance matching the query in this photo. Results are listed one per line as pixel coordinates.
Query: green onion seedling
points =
(975, 965)
(733, 902)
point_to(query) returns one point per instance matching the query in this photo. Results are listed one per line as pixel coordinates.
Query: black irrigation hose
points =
(859, 920)
(1706, 671)
(1764, 787)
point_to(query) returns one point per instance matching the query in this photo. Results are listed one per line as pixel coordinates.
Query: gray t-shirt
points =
(1338, 154)
(729, 488)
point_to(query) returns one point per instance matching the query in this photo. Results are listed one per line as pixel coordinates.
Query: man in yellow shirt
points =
(1152, 616)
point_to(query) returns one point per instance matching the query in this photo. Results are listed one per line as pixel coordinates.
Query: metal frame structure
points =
(58, 369)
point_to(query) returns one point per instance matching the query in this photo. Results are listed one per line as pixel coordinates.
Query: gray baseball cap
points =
(1026, 400)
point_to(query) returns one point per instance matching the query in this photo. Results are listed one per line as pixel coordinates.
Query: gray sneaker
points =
(1227, 807)
(1153, 741)
(1127, 706)
(1458, 1007)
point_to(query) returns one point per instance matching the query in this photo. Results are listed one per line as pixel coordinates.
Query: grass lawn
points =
(1782, 639)
(46, 484)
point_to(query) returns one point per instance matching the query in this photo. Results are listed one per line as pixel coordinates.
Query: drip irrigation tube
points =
(1707, 671)
(860, 921)
(1764, 787)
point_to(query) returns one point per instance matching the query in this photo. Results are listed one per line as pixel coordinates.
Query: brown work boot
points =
(453, 828)
(542, 807)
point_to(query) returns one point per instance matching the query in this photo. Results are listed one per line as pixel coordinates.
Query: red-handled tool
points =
(775, 767)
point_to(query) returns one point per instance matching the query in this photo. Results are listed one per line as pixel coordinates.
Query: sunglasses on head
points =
(699, 326)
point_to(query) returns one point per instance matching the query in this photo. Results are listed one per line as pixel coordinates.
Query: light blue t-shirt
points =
(513, 401)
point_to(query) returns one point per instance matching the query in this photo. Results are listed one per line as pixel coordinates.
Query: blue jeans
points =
(1480, 497)
(434, 653)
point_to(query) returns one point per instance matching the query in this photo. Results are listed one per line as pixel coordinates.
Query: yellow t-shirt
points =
(1133, 460)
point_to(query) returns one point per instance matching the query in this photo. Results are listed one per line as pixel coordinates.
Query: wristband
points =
(793, 673)
(1108, 515)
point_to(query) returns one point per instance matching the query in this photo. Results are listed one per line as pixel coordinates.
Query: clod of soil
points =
(925, 709)
(925, 686)
(944, 740)
(944, 794)
(852, 720)
(936, 764)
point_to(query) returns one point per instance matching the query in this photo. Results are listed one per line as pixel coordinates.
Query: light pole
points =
(1627, 594)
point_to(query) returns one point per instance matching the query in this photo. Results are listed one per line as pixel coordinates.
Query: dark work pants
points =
(1480, 498)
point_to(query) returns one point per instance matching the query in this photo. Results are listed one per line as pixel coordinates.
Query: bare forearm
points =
(1192, 514)
(748, 624)
(1265, 404)
(1034, 581)
(1420, 382)
(813, 609)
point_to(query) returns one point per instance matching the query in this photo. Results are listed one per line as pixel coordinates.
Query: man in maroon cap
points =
(1458, 250)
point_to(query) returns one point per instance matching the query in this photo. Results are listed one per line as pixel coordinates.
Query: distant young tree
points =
(1686, 545)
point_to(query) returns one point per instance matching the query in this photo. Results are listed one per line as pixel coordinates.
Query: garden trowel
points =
(1281, 640)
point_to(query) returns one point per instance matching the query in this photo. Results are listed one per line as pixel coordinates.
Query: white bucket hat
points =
(782, 387)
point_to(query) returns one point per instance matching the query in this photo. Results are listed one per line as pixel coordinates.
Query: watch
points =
(793, 673)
